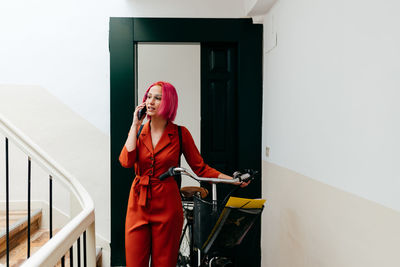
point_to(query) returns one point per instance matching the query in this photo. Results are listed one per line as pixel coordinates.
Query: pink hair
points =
(169, 100)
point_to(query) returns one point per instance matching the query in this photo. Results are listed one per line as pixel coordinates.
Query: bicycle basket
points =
(231, 227)
(204, 221)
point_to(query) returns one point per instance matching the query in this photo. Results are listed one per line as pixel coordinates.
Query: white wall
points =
(331, 91)
(154, 64)
(63, 46)
(331, 123)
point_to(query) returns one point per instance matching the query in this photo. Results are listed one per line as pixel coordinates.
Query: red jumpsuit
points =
(154, 215)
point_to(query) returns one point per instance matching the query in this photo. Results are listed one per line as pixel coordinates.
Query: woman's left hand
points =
(242, 184)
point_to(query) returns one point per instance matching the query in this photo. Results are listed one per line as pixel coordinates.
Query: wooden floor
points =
(18, 235)
(19, 254)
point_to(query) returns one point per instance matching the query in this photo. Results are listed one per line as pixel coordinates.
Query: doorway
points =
(231, 68)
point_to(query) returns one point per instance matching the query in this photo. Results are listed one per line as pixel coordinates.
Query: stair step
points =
(18, 228)
(14, 216)
(18, 254)
(18, 242)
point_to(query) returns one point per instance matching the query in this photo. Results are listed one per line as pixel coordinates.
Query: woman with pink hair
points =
(154, 215)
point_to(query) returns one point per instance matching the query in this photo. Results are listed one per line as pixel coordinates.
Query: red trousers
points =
(153, 223)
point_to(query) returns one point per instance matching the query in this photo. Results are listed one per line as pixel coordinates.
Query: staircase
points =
(18, 238)
(20, 152)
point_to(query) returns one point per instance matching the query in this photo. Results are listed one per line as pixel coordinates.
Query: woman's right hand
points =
(136, 122)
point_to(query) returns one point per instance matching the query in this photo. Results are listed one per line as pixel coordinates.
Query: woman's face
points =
(153, 100)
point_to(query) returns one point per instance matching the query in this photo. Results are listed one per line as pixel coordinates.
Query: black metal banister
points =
(29, 210)
(84, 250)
(7, 209)
(51, 205)
(78, 248)
(71, 257)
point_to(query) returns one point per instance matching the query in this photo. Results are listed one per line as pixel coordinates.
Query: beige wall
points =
(310, 224)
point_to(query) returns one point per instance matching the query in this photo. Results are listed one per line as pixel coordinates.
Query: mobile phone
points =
(142, 113)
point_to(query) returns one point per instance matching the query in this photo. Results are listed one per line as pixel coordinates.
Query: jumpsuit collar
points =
(164, 141)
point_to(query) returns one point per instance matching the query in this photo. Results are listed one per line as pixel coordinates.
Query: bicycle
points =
(191, 248)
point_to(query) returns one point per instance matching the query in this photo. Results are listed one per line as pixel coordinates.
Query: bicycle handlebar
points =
(168, 173)
(237, 176)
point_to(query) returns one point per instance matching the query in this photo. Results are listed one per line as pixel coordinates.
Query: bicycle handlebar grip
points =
(167, 174)
(246, 176)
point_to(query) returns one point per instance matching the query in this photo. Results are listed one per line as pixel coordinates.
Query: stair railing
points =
(83, 224)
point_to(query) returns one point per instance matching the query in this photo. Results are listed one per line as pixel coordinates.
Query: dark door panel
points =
(218, 105)
(219, 121)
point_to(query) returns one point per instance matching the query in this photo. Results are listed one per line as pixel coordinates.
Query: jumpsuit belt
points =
(142, 186)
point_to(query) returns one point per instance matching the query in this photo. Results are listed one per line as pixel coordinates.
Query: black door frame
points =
(124, 35)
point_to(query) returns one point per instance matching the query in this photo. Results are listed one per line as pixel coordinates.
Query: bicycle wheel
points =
(184, 248)
(185, 255)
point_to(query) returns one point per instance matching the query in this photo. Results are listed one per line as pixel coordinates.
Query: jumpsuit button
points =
(151, 165)
(151, 158)
(151, 172)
